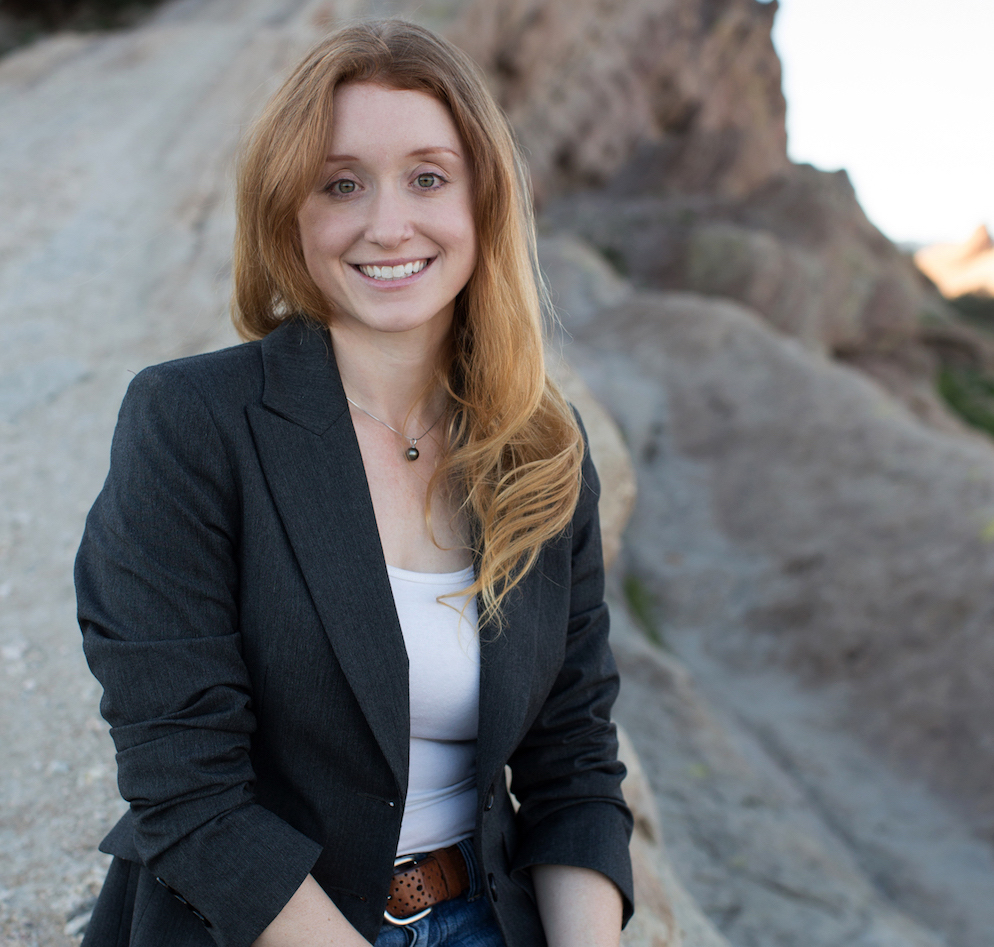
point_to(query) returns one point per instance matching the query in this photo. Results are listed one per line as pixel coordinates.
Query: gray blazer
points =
(235, 605)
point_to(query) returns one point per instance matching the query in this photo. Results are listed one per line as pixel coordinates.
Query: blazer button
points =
(492, 882)
(489, 804)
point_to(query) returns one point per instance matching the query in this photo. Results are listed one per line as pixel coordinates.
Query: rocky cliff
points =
(588, 83)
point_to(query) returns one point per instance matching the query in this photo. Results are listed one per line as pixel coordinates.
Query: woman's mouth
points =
(387, 273)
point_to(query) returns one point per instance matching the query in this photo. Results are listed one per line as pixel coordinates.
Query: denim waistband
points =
(472, 867)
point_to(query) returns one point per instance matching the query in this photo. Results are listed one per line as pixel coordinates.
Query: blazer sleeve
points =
(565, 773)
(157, 586)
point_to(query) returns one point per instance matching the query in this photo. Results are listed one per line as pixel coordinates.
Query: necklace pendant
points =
(412, 453)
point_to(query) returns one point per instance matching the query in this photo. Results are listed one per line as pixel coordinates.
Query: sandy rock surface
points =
(798, 250)
(661, 130)
(614, 464)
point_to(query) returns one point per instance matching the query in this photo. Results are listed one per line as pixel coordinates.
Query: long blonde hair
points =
(514, 447)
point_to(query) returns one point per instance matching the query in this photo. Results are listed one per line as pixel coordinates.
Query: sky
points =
(900, 93)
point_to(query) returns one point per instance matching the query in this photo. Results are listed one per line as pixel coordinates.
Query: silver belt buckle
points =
(404, 921)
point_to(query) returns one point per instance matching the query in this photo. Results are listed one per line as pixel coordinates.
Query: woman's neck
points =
(390, 375)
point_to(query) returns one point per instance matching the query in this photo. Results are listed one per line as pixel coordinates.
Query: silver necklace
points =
(412, 453)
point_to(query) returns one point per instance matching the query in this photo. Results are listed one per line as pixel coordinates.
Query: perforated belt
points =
(420, 882)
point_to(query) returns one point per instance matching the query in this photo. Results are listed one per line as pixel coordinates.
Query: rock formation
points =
(763, 859)
(665, 915)
(614, 465)
(586, 83)
(673, 114)
(799, 251)
(959, 269)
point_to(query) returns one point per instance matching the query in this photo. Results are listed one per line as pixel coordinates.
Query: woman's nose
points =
(390, 221)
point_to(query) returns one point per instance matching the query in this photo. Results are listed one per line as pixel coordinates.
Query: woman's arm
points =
(565, 772)
(579, 907)
(310, 919)
(157, 589)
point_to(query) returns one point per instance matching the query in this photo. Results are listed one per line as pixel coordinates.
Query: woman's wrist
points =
(310, 919)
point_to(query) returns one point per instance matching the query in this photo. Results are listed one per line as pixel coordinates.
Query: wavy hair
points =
(514, 448)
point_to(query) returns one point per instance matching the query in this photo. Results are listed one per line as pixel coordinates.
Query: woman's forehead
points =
(372, 117)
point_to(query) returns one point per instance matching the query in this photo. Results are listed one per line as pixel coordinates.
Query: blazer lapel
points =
(310, 456)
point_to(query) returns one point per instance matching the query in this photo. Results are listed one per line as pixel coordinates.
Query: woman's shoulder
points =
(233, 368)
(216, 383)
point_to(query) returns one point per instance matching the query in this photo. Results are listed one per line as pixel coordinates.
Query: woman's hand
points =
(310, 919)
(579, 907)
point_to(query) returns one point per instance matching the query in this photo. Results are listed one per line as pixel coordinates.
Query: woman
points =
(340, 576)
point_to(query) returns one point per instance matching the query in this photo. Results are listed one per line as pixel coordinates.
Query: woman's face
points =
(388, 233)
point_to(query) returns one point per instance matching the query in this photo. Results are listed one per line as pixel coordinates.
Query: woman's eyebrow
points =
(418, 152)
(431, 151)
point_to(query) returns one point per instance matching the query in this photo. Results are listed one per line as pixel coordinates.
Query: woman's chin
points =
(401, 323)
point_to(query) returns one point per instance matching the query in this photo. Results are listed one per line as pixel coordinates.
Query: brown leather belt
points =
(420, 884)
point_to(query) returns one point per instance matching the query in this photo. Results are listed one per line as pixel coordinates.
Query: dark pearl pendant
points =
(412, 453)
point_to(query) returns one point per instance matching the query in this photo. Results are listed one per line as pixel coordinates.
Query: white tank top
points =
(444, 653)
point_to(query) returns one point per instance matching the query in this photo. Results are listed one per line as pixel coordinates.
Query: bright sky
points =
(900, 93)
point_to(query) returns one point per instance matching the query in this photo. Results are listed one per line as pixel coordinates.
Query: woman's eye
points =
(427, 180)
(342, 186)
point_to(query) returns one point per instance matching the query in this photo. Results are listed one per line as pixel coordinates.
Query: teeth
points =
(393, 272)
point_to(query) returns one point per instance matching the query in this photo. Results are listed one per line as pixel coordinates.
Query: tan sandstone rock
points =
(800, 252)
(586, 83)
(961, 268)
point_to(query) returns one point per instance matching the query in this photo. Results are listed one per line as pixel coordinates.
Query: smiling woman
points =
(341, 576)
(388, 234)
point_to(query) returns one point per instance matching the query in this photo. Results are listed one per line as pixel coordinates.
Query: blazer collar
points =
(302, 383)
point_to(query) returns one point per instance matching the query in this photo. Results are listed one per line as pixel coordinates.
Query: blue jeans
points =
(466, 921)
